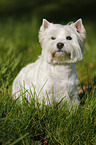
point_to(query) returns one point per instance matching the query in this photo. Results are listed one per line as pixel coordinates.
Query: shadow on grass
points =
(86, 89)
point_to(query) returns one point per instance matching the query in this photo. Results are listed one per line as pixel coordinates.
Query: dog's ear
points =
(78, 25)
(79, 28)
(45, 24)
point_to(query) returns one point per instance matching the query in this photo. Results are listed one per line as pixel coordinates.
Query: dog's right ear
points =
(45, 24)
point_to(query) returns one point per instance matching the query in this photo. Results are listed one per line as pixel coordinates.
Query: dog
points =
(53, 75)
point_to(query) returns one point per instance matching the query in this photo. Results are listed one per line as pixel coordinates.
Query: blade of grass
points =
(20, 138)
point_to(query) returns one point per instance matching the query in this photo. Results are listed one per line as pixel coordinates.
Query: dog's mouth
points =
(61, 53)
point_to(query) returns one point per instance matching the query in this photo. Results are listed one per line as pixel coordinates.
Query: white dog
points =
(54, 74)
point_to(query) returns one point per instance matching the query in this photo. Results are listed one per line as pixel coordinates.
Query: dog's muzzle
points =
(60, 46)
(61, 54)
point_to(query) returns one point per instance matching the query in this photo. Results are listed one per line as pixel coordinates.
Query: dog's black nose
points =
(60, 45)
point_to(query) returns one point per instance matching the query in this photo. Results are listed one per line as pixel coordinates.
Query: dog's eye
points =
(69, 38)
(53, 38)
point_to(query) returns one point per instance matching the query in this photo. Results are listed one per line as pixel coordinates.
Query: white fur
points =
(54, 72)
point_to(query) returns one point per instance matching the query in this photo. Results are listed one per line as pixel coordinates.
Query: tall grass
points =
(54, 124)
(28, 123)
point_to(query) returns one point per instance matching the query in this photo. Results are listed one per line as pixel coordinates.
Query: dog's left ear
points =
(78, 25)
(79, 28)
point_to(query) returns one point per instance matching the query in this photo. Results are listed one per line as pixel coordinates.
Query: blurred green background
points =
(20, 21)
(52, 9)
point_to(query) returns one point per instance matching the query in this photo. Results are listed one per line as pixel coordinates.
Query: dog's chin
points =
(60, 57)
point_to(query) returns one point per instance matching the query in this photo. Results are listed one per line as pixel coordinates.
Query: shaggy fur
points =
(54, 72)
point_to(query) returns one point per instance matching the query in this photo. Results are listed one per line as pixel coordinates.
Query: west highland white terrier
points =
(53, 75)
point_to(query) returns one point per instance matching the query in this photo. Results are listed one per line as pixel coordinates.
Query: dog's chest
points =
(61, 79)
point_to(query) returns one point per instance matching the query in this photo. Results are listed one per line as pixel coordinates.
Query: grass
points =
(26, 124)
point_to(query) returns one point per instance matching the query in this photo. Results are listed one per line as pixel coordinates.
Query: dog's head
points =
(62, 43)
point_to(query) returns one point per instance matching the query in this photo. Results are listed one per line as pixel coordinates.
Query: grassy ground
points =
(25, 124)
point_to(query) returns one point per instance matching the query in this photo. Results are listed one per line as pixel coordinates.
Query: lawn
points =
(26, 124)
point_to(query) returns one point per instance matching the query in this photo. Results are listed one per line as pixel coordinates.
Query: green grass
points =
(27, 124)
(24, 124)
